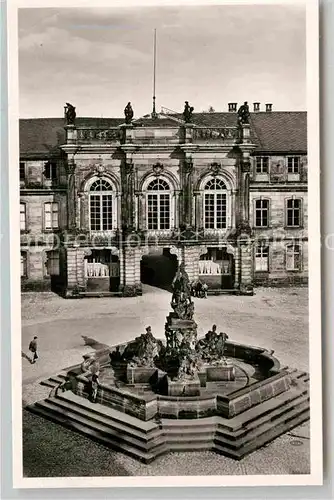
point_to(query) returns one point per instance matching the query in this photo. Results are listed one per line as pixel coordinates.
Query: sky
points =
(98, 59)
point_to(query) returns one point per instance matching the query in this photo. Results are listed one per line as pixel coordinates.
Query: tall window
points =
(51, 215)
(262, 164)
(23, 218)
(262, 258)
(50, 171)
(215, 204)
(101, 205)
(261, 213)
(22, 171)
(23, 264)
(158, 205)
(293, 257)
(293, 212)
(293, 164)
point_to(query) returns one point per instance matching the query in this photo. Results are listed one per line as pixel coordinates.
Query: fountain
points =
(181, 394)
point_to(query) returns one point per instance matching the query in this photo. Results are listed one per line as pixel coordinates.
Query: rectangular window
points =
(158, 211)
(23, 221)
(50, 171)
(293, 213)
(262, 164)
(293, 257)
(52, 263)
(261, 213)
(152, 214)
(215, 210)
(262, 258)
(293, 164)
(22, 171)
(106, 212)
(51, 216)
(23, 264)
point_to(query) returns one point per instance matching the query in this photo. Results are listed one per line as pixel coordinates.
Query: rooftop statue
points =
(188, 112)
(128, 112)
(70, 114)
(243, 114)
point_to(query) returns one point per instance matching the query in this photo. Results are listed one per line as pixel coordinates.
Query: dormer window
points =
(50, 171)
(262, 164)
(293, 164)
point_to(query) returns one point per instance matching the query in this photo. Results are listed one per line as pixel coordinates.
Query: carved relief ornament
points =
(215, 168)
(157, 168)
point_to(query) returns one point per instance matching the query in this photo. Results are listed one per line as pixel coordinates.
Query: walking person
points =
(33, 348)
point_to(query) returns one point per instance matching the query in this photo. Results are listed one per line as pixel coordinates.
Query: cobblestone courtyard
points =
(273, 318)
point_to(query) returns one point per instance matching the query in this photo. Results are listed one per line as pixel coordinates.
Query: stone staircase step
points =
(191, 446)
(101, 429)
(278, 410)
(260, 410)
(111, 413)
(264, 439)
(254, 434)
(100, 418)
(111, 442)
(53, 381)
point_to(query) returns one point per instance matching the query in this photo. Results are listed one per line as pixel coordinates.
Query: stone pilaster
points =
(71, 195)
(130, 271)
(245, 247)
(75, 269)
(187, 192)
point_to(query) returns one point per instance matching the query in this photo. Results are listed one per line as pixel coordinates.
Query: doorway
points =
(102, 271)
(216, 268)
(158, 268)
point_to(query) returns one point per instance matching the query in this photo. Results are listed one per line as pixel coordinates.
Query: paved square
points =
(273, 318)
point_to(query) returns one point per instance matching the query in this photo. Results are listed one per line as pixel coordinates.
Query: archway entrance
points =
(102, 271)
(158, 268)
(216, 268)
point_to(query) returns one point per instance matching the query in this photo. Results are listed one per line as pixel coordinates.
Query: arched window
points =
(101, 205)
(215, 204)
(158, 204)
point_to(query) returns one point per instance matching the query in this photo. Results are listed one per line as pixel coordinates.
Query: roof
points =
(276, 131)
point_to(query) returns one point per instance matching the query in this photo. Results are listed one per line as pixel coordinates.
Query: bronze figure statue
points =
(70, 114)
(128, 112)
(243, 114)
(188, 112)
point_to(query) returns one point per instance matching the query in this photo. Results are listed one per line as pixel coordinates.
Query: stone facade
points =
(210, 196)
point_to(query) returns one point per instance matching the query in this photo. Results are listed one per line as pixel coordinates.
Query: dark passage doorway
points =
(158, 268)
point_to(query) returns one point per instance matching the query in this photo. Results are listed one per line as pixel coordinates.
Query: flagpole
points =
(154, 114)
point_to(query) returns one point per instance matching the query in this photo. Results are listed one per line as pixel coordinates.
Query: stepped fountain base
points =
(148, 397)
(233, 418)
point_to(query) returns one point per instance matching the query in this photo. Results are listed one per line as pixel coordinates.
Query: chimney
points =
(256, 107)
(232, 107)
(269, 108)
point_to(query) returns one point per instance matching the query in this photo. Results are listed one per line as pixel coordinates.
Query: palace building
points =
(109, 204)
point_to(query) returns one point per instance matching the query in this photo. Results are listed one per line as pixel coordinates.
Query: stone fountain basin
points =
(226, 399)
